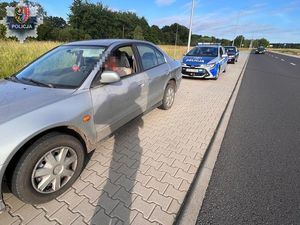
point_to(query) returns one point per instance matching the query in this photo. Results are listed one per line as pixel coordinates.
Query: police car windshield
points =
(203, 52)
(63, 67)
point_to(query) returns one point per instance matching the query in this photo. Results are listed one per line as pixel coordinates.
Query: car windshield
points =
(261, 48)
(63, 67)
(230, 49)
(204, 51)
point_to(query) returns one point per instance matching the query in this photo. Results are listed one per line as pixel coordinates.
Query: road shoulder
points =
(194, 199)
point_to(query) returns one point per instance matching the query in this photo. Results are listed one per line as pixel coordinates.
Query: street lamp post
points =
(236, 28)
(191, 25)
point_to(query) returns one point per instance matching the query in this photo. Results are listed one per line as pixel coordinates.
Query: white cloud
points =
(216, 25)
(164, 2)
(242, 21)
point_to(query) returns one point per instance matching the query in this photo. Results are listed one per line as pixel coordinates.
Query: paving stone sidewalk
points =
(142, 173)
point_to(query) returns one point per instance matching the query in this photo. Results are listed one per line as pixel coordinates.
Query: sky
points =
(276, 20)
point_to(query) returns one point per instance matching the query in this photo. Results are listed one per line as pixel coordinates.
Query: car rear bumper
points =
(231, 59)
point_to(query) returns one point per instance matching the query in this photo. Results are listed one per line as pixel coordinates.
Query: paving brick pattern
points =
(142, 173)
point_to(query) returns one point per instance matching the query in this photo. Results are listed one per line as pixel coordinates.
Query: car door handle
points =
(141, 84)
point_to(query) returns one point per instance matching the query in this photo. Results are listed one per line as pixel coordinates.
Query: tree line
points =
(88, 20)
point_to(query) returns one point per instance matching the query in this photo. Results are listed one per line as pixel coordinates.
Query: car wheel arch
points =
(11, 161)
(173, 80)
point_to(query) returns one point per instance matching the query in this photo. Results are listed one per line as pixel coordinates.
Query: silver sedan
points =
(55, 110)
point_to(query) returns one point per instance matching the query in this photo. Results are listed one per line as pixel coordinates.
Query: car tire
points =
(217, 75)
(169, 96)
(47, 168)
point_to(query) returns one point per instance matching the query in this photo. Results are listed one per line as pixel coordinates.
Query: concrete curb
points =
(294, 56)
(191, 206)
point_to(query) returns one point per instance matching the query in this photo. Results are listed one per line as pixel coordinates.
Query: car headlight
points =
(211, 65)
(183, 64)
(231, 56)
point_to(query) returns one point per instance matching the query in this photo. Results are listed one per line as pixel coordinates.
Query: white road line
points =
(282, 60)
(293, 64)
(276, 57)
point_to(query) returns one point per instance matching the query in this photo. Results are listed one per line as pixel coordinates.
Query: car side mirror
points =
(108, 77)
(224, 55)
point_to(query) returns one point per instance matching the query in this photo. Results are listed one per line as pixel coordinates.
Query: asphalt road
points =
(256, 179)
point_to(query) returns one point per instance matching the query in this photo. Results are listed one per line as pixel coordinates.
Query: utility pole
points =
(175, 51)
(241, 42)
(123, 31)
(191, 25)
(236, 27)
(251, 43)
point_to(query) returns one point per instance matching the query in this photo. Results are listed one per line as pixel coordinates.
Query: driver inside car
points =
(118, 62)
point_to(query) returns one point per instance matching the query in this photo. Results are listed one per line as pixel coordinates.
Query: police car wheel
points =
(217, 75)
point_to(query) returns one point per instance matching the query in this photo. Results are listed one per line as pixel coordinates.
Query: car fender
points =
(65, 113)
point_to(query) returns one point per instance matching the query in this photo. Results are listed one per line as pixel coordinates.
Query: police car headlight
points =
(211, 65)
(183, 64)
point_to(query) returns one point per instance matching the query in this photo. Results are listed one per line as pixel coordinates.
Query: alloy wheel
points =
(54, 170)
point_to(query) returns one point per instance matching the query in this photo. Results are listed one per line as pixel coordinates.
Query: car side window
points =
(148, 56)
(221, 52)
(121, 61)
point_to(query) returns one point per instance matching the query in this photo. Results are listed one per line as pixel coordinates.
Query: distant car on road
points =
(205, 61)
(233, 54)
(55, 110)
(260, 50)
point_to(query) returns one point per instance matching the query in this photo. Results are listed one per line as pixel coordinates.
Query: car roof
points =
(106, 42)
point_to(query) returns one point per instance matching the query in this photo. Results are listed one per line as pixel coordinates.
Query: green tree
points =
(138, 33)
(71, 34)
(263, 42)
(238, 40)
(2, 31)
(51, 27)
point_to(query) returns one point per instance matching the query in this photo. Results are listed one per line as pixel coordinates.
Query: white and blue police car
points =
(206, 60)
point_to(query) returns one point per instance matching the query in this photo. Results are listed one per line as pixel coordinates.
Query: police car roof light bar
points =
(208, 43)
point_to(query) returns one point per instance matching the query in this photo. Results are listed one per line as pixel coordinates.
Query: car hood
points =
(18, 99)
(197, 61)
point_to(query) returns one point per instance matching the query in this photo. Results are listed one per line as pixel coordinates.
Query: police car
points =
(206, 60)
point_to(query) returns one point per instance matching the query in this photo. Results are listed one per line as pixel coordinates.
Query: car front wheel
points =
(217, 74)
(47, 168)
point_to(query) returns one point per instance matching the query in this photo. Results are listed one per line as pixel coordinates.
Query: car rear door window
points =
(160, 57)
(148, 56)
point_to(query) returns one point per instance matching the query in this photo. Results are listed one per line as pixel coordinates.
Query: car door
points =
(117, 103)
(223, 61)
(156, 71)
